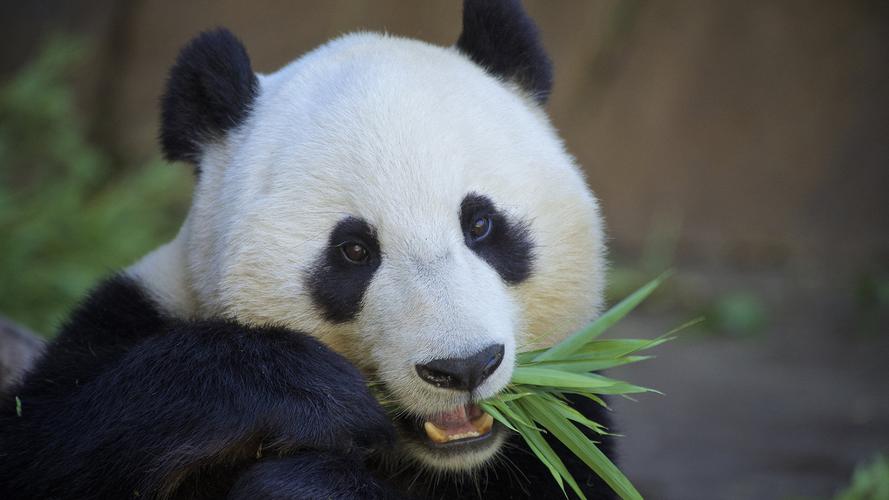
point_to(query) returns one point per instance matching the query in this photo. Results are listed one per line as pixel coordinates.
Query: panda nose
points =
(462, 374)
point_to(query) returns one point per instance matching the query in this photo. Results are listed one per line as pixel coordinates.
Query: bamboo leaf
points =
(532, 375)
(581, 364)
(552, 461)
(527, 356)
(590, 396)
(575, 416)
(513, 413)
(494, 412)
(581, 446)
(615, 348)
(536, 401)
(577, 340)
(513, 396)
(684, 326)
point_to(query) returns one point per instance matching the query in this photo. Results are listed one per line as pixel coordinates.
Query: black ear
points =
(499, 36)
(209, 91)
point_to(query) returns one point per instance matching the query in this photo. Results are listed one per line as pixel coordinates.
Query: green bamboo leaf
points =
(552, 461)
(536, 401)
(581, 446)
(575, 416)
(577, 340)
(494, 412)
(588, 395)
(513, 413)
(512, 396)
(580, 364)
(545, 457)
(532, 375)
(527, 356)
(616, 348)
(591, 382)
(683, 326)
(623, 388)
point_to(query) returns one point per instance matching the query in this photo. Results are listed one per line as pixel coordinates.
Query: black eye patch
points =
(337, 285)
(508, 246)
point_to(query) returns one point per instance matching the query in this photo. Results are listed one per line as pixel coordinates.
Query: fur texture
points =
(166, 380)
(396, 133)
(337, 285)
(130, 403)
(127, 400)
(500, 37)
(209, 92)
(311, 475)
(508, 247)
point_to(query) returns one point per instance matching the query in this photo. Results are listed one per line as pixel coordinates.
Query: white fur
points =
(397, 132)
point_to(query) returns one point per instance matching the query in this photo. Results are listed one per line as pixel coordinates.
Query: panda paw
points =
(326, 401)
(248, 382)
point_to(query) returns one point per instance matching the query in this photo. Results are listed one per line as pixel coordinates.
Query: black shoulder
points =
(210, 90)
(311, 474)
(499, 36)
(116, 309)
(181, 411)
(116, 315)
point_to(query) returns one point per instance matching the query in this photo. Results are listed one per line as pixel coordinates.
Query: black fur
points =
(311, 475)
(129, 402)
(337, 285)
(210, 90)
(499, 36)
(509, 248)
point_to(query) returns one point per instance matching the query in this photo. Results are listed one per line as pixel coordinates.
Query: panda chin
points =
(459, 440)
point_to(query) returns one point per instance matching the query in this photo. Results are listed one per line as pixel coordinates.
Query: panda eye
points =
(480, 228)
(354, 252)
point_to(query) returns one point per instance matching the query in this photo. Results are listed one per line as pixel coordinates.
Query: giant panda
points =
(380, 208)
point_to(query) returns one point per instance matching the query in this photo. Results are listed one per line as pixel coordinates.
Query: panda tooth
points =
(464, 435)
(483, 423)
(435, 434)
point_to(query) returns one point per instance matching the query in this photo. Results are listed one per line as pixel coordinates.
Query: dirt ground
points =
(786, 414)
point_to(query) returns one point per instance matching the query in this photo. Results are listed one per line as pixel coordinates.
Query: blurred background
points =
(744, 144)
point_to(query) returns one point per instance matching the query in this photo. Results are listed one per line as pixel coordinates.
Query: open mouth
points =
(460, 427)
(463, 423)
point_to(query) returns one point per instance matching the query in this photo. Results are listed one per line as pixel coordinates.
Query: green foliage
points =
(535, 401)
(869, 482)
(67, 215)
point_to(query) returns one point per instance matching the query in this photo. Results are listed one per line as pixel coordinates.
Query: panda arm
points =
(312, 474)
(158, 407)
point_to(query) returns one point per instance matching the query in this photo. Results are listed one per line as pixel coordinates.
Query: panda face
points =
(408, 205)
(404, 206)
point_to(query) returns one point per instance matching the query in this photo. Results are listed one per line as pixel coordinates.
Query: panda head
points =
(410, 205)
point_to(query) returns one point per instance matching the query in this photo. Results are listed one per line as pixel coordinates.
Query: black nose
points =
(463, 374)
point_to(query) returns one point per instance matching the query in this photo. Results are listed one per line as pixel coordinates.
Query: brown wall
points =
(760, 125)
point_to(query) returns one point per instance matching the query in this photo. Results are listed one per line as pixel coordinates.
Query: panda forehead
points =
(394, 131)
(392, 95)
(371, 63)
